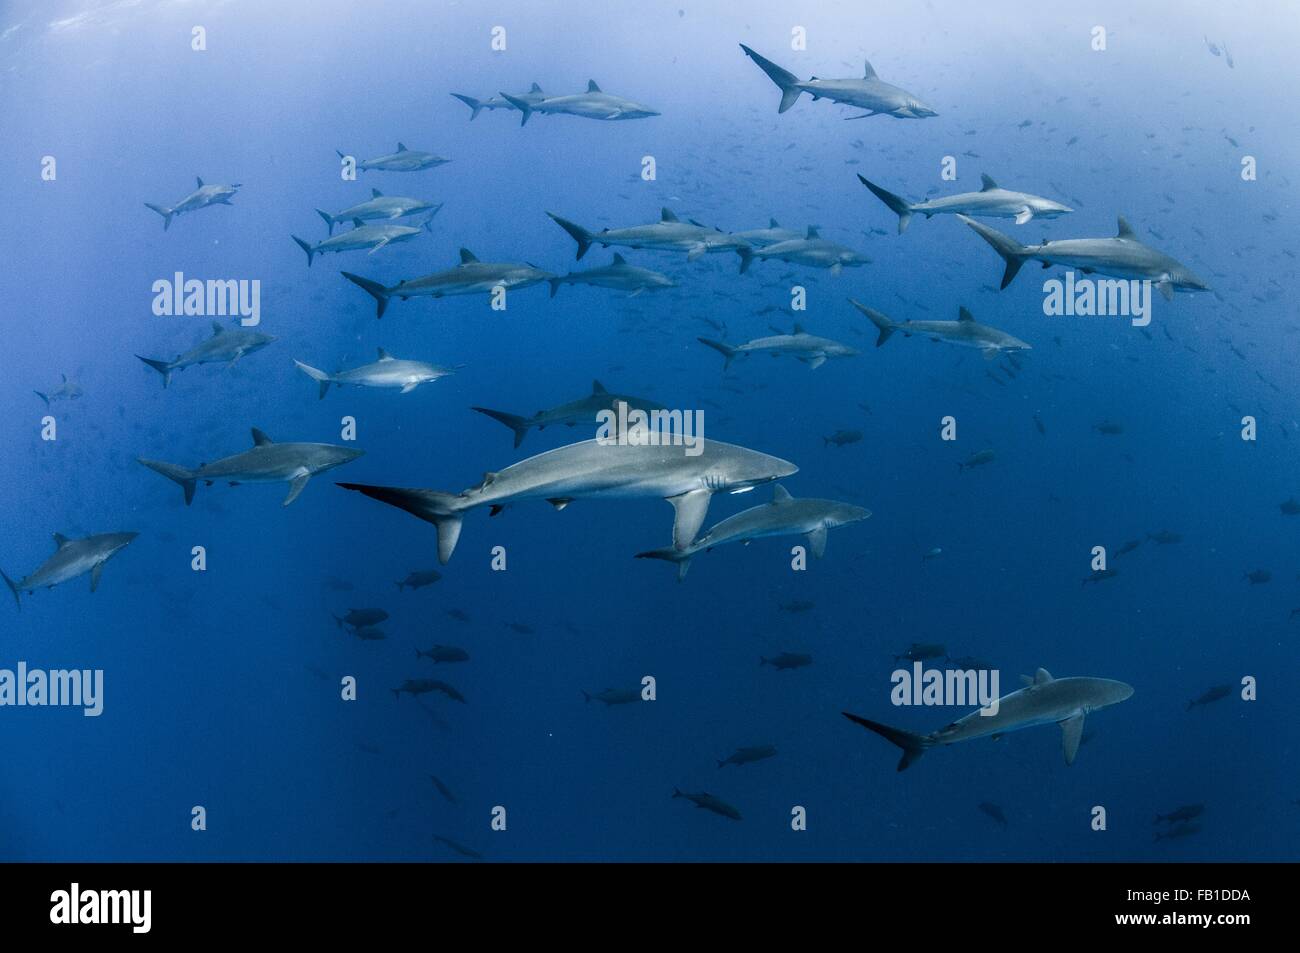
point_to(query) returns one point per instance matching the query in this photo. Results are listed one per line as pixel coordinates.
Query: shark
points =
(618, 275)
(202, 197)
(580, 411)
(870, 92)
(471, 276)
(1043, 701)
(380, 206)
(965, 332)
(403, 160)
(593, 104)
(534, 95)
(991, 201)
(384, 371)
(72, 558)
(760, 237)
(1123, 256)
(812, 250)
(68, 390)
(225, 346)
(360, 236)
(265, 462)
(667, 234)
(809, 348)
(596, 469)
(783, 516)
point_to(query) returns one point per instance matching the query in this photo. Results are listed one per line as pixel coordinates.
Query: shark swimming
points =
(593, 104)
(618, 275)
(72, 558)
(202, 197)
(534, 95)
(403, 160)
(1043, 701)
(381, 206)
(266, 462)
(373, 237)
(385, 371)
(667, 234)
(869, 92)
(761, 237)
(225, 346)
(471, 276)
(812, 350)
(811, 250)
(991, 201)
(783, 516)
(580, 411)
(594, 469)
(67, 390)
(964, 332)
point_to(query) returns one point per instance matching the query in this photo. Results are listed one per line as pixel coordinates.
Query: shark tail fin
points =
(443, 510)
(1012, 252)
(329, 219)
(586, 696)
(305, 246)
(913, 745)
(521, 105)
(897, 204)
(882, 322)
(321, 378)
(516, 423)
(726, 350)
(43, 397)
(472, 103)
(165, 212)
(12, 588)
(162, 367)
(669, 554)
(372, 288)
(746, 257)
(784, 79)
(186, 478)
(576, 232)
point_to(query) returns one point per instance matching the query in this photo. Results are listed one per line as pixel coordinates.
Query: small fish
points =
(797, 605)
(1099, 574)
(1290, 507)
(710, 803)
(977, 459)
(1210, 695)
(520, 628)
(932, 554)
(614, 696)
(444, 653)
(748, 755)
(1185, 813)
(787, 660)
(1109, 427)
(359, 618)
(443, 789)
(842, 437)
(1165, 537)
(993, 811)
(419, 579)
(922, 651)
(1258, 576)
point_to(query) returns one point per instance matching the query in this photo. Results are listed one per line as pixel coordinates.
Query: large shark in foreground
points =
(964, 332)
(266, 462)
(991, 201)
(784, 516)
(471, 276)
(1123, 256)
(594, 469)
(593, 104)
(403, 160)
(72, 558)
(809, 348)
(381, 206)
(1043, 701)
(580, 411)
(870, 92)
(202, 197)
(225, 346)
(385, 371)
(667, 234)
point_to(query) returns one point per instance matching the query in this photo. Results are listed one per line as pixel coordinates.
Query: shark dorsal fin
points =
(798, 328)
(1042, 677)
(60, 540)
(466, 256)
(199, 181)
(812, 232)
(535, 88)
(598, 388)
(401, 147)
(964, 315)
(65, 378)
(780, 494)
(592, 87)
(217, 329)
(1125, 230)
(357, 223)
(619, 259)
(773, 223)
(384, 355)
(375, 193)
(989, 184)
(260, 439)
(666, 215)
(867, 71)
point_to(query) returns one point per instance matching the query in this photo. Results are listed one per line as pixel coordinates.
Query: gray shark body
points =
(471, 276)
(266, 462)
(992, 201)
(619, 275)
(372, 237)
(809, 348)
(225, 346)
(869, 92)
(667, 234)
(595, 470)
(67, 390)
(1043, 701)
(964, 332)
(504, 101)
(403, 160)
(385, 372)
(72, 558)
(593, 104)
(762, 237)
(580, 411)
(202, 197)
(381, 207)
(814, 251)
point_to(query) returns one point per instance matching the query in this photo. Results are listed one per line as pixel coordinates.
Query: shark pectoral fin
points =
(1071, 732)
(410, 386)
(691, 508)
(696, 251)
(816, 361)
(637, 292)
(817, 541)
(991, 353)
(837, 269)
(1024, 215)
(296, 486)
(381, 244)
(560, 502)
(1166, 289)
(94, 576)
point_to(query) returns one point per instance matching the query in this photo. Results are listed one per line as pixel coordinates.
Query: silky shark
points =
(471, 276)
(812, 250)
(812, 350)
(619, 275)
(380, 206)
(580, 411)
(72, 558)
(225, 346)
(991, 201)
(403, 160)
(68, 390)
(534, 95)
(870, 92)
(361, 236)
(386, 371)
(964, 332)
(761, 237)
(1043, 701)
(594, 469)
(201, 197)
(667, 234)
(784, 516)
(1123, 256)
(266, 462)
(593, 104)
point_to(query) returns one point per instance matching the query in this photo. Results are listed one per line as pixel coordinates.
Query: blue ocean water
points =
(222, 688)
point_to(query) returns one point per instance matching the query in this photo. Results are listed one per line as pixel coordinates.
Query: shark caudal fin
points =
(165, 212)
(576, 232)
(516, 423)
(519, 104)
(897, 204)
(476, 106)
(1012, 252)
(305, 246)
(913, 745)
(186, 478)
(726, 350)
(746, 257)
(162, 367)
(668, 554)
(329, 220)
(317, 375)
(443, 510)
(784, 79)
(13, 587)
(882, 322)
(372, 288)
